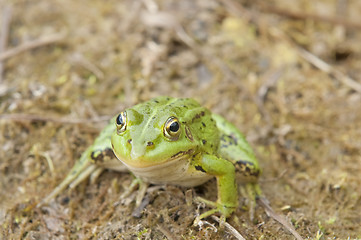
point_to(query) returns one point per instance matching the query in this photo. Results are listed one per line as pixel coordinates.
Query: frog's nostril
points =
(149, 144)
(129, 140)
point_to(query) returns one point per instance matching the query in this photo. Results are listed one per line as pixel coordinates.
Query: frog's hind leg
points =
(247, 174)
(234, 147)
(92, 162)
(82, 169)
(251, 191)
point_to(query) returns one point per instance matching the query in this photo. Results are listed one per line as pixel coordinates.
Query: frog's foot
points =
(251, 191)
(224, 210)
(141, 191)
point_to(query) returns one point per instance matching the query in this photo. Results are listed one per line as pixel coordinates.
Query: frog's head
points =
(152, 133)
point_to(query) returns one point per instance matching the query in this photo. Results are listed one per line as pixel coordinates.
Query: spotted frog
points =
(173, 141)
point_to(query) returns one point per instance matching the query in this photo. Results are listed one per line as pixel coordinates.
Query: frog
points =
(173, 141)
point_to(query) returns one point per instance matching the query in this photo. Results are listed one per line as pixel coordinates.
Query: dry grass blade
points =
(238, 9)
(30, 118)
(78, 58)
(308, 16)
(166, 232)
(322, 65)
(30, 45)
(230, 228)
(5, 24)
(263, 202)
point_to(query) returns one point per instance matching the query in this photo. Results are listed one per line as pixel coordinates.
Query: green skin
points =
(204, 146)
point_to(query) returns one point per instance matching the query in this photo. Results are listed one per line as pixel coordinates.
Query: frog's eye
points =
(172, 128)
(121, 122)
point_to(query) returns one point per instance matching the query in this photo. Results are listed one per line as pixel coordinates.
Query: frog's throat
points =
(176, 170)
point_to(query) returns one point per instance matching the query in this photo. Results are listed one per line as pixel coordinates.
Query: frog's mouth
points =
(143, 163)
(180, 154)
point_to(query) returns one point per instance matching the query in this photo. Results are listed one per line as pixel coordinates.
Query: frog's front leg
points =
(224, 171)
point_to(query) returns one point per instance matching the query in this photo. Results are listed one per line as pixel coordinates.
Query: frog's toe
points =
(141, 193)
(142, 188)
(223, 209)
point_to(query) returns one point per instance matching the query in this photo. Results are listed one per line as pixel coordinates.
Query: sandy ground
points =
(286, 73)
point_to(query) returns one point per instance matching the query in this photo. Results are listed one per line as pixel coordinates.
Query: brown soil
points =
(287, 73)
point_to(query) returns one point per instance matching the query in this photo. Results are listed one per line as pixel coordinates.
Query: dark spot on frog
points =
(204, 141)
(184, 106)
(149, 144)
(246, 168)
(100, 155)
(204, 125)
(228, 140)
(156, 101)
(197, 116)
(199, 168)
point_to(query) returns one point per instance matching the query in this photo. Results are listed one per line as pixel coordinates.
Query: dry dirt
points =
(286, 73)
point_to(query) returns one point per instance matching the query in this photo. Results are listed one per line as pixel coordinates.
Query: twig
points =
(5, 25)
(310, 16)
(78, 58)
(30, 118)
(237, 9)
(275, 179)
(32, 44)
(264, 203)
(168, 234)
(229, 227)
(322, 65)
(270, 80)
(316, 61)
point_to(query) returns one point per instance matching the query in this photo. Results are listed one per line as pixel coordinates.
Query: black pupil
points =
(120, 120)
(174, 127)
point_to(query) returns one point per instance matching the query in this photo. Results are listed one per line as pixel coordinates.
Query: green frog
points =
(173, 141)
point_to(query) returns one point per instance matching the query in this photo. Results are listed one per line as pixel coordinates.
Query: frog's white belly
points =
(175, 172)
